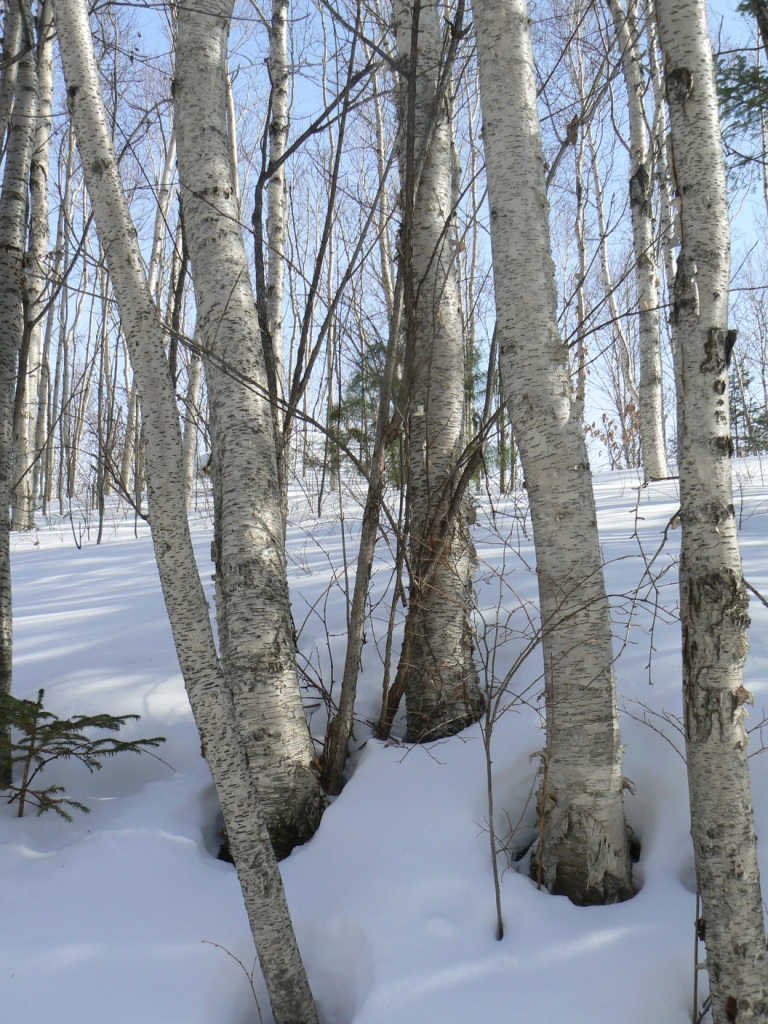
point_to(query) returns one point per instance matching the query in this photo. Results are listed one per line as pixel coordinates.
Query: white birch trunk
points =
(441, 686)
(277, 192)
(584, 852)
(624, 352)
(644, 243)
(11, 46)
(37, 276)
(668, 214)
(13, 230)
(185, 600)
(714, 601)
(44, 429)
(252, 599)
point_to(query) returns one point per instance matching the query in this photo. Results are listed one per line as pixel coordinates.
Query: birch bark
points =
(714, 601)
(441, 686)
(11, 46)
(37, 270)
(277, 192)
(254, 616)
(584, 848)
(211, 702)
(644, 243)
(13, 231)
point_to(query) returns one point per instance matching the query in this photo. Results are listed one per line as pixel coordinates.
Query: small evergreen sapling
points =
(38, 737)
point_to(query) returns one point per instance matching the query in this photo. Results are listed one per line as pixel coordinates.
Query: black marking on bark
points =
(639, 189)
(731, 1008)
(679, 85)
(718, 603)
(72, 92)
(99, 166)
(685, 291)
(715, 351)
(723, 444)
(730, 341)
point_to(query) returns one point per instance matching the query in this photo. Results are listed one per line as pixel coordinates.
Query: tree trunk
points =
(11, 46)
(26, 454)
(277, 192)
(584, 852)
(182, 589)
(13, 232)
(191, 420)
(714, 601)
(441, 684)
(252, 602)
(644, 243)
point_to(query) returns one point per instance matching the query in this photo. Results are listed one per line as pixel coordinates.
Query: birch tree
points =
(440, 679)
(644, 242)
(185, 601)
(11, 48)
(28, 388)
(277, 191)
(584, 848)
(13, 230)
(714, 602)
(252, 601)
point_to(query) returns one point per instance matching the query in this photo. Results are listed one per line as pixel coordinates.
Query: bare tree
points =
(641, 183)
(584, 847)
(13, 232)
(714, 601)
(252, 601)
(439, 676)
(182, 589)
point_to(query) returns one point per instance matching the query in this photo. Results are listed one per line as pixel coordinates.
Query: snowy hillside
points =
(117, 915)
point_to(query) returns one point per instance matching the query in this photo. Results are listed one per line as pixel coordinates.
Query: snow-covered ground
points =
(118, 915)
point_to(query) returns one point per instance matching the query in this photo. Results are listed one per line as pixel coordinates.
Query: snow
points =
(119, 914)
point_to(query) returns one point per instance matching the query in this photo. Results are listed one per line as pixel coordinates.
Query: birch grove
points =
(363, 257)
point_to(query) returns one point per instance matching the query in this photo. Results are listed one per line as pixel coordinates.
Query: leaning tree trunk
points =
(252, 601)
(441, 685)
(714, 601)
(182, 589)
(37, 271)
(584, 849)
(644, 243)
(13, 232)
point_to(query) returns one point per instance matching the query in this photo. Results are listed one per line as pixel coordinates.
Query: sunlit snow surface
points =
(117, 916)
